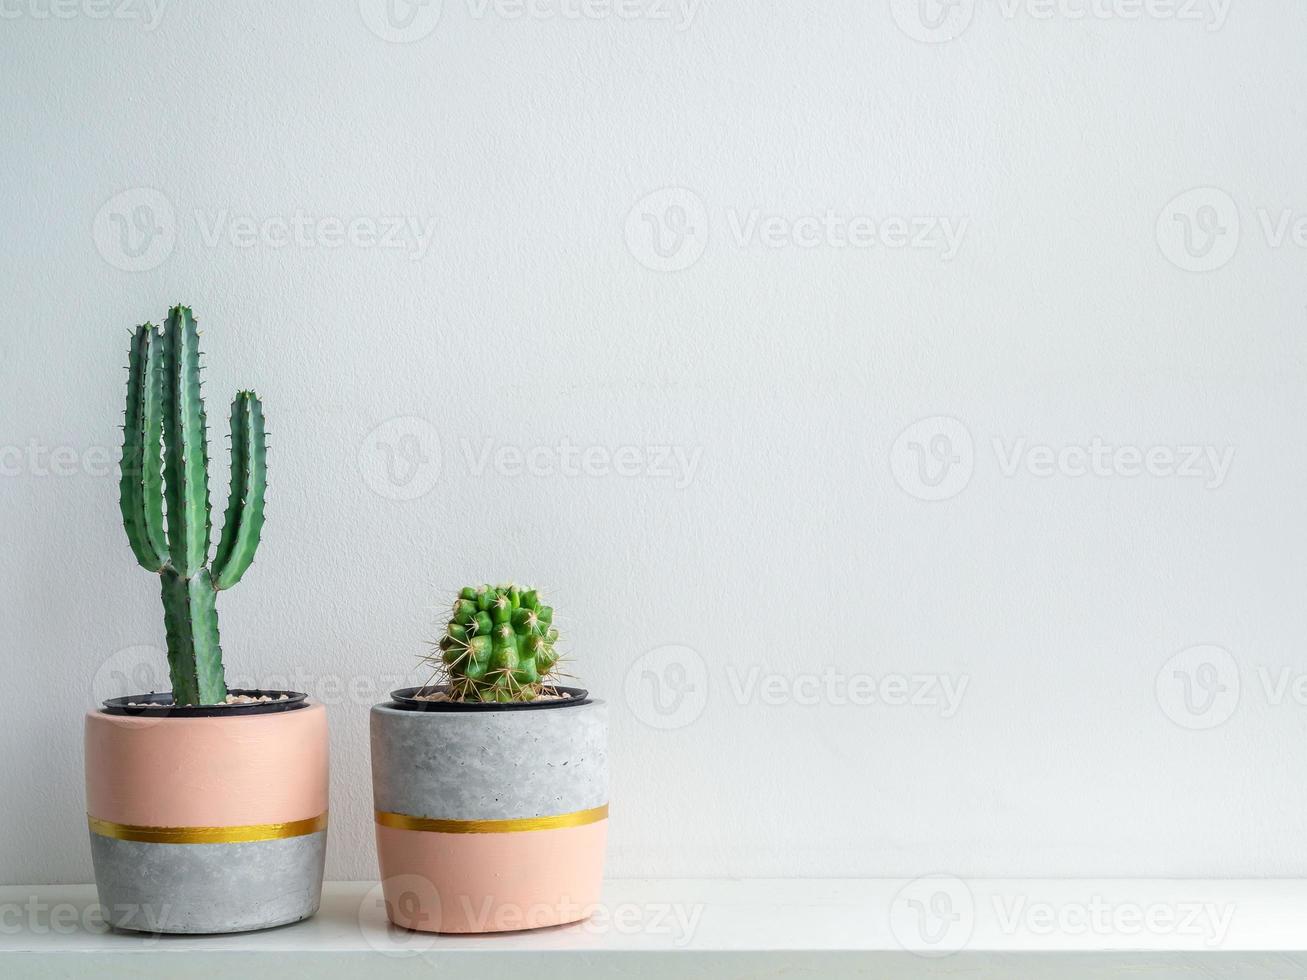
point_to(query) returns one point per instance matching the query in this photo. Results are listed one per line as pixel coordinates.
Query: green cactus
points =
(166, 459)
(498, 646)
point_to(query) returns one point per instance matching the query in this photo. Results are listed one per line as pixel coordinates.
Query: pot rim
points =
(159, 705)
(405, 699)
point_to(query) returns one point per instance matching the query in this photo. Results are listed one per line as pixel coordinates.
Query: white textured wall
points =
(721, 426)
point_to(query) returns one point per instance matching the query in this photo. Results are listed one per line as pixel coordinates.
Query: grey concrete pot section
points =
(490, 819)
(207, 824)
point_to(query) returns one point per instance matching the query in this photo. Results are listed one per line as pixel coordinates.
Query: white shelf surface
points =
(935, 926)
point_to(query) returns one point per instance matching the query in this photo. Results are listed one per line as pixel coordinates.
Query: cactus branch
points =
(141, 486)
(249, 480)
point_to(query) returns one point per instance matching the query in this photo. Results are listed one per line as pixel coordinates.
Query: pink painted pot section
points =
(439, 882)
(207, 772)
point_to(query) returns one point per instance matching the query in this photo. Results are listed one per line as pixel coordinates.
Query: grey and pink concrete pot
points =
(207, 819)
(490, 817)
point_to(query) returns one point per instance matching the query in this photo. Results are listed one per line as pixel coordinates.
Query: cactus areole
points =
(164, 495)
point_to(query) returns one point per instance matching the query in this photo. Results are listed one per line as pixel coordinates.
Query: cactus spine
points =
(498, 645)
(166, 458)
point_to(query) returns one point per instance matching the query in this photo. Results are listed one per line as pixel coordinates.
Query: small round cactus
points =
(499, 645)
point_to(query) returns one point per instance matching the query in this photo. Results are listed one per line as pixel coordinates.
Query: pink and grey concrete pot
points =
(490, 818)
(207, 820)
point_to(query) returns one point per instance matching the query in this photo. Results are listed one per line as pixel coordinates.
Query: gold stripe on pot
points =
(207, 835)
(578, 818)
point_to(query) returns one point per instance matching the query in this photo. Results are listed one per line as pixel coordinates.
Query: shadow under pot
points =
(207, 819)
(490, 817)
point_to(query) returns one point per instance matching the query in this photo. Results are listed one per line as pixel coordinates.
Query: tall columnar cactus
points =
(499, 645)
(166, 459)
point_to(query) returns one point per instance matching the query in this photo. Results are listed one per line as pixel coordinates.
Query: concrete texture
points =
(208, 888)
(490, 765)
